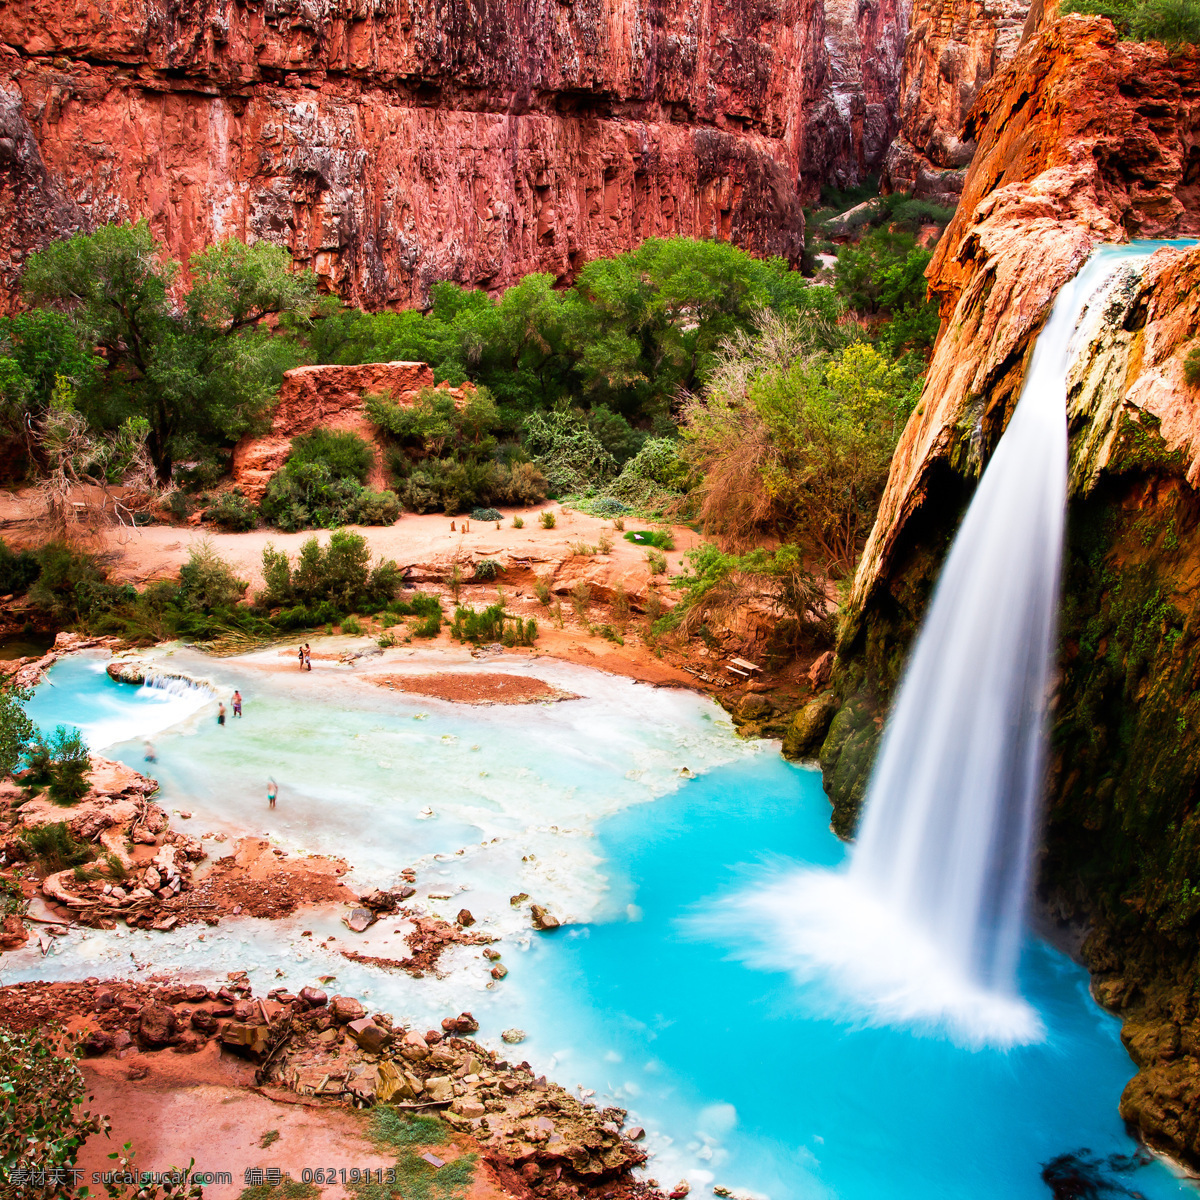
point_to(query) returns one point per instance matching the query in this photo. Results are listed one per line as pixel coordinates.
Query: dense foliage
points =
(796, 440)
(198, 372)
(1171, 21)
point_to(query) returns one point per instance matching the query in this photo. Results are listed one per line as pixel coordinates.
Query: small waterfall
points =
(177, 685)
(952, 805)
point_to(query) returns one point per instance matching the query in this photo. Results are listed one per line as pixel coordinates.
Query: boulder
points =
(468, 1106)
(542, 919)
(246, 1038)
(124, 670)
(204, 1022)
(360, 920)
(465, 918)
(368, 1035)
(413, 1046)
(439, 1088)
(346, 1009)
(380, 901)
(513, 1036)
(809, 726)
(313, 997)
(499, 971)
(98, 1042)
(13, 933)
(156, 1026)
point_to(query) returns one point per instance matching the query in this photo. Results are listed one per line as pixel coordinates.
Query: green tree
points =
(199, 370)
(37, 348)
(16, 729)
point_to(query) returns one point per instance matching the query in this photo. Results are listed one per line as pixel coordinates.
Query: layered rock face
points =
(392, 143)
(954, 47)
(331, 397)
(1081, 140)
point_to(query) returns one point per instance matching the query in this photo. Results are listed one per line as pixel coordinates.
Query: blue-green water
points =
(741, 1075)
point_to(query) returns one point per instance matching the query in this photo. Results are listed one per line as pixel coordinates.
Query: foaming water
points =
(108, 713)
(926, 925)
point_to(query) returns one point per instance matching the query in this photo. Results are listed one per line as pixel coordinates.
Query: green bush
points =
(459, 486)
(486, 514)
(352, 626)
(1173, 22)
(487, 569)
(18, 571)
(547, 519)
(492, 625)
(660, 539)
(573, 459)
(59, 763)
(42, 1122)
(1191, 367)
(430, 627)
(338, 575)
(346, 454)
(55, 847)
(207, 581)
(377, 508)
(232, 513)
(419, 604)
(655, 474)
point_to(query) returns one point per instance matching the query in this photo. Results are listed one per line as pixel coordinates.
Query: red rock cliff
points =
(392, 143)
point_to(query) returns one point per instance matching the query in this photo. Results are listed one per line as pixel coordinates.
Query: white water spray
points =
(926, 926)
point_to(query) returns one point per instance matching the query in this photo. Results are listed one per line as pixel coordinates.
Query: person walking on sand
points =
(272, 792)
(237, 703)
(221, 713)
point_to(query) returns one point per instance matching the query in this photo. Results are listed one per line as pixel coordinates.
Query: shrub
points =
(619, 524)
(352, 626)
(657, 561)
(232, 513)
(335, 578)
(568, 452)
(660, 539)
(377, 508)
(346, 454)
(518, 522)
(608, 506)
(581, 597)
(1191, 367)
(17, 570)
(654, 475)
(305, 494)
(492, 625)
(385, 641)
(583, 549)
(487, 569)
(419, 604)
(55, 847)
(620, 606)
(207, 581)
(547, 519)
(604, 543)
(58, 763)
(42, 1123)
(67, 582)
(541, 587)
(486, 514)
(430, 627)
(1173, 22)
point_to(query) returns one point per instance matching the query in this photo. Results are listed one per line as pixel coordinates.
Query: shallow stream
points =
(634, 813)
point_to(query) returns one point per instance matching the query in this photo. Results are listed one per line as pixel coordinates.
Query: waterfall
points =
(177, 685)
(951, 808)
(926, 925)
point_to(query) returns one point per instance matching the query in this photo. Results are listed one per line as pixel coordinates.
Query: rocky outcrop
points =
(953, 48)
(389, 145)
(1082, 139)
(330, 397)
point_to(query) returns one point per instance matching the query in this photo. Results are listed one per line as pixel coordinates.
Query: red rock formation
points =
(392, 143)
(954, 47)
(331, 397)
(1082, 139)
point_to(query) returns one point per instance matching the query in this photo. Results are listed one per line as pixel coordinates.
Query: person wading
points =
(272, 792)
(221, 713)
(237, 704)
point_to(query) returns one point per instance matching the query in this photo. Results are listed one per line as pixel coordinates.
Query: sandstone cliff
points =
(1081, 139)
(331, 397)
(953, 48)
(391, 143)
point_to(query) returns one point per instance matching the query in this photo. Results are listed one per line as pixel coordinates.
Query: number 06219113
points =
(348, 1175)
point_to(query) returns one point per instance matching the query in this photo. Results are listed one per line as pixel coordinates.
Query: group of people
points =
(304, 654)
(237, 707)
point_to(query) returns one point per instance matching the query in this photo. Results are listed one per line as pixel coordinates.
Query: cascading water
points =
(926, 925)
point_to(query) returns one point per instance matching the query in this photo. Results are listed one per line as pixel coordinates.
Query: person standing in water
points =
(221, 713)
(237, 703)
(307, 657)
(151, 753)
(272, 792)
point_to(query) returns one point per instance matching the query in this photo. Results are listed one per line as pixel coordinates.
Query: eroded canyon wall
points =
(1082, 139)
(953, 48)
(391, 143)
